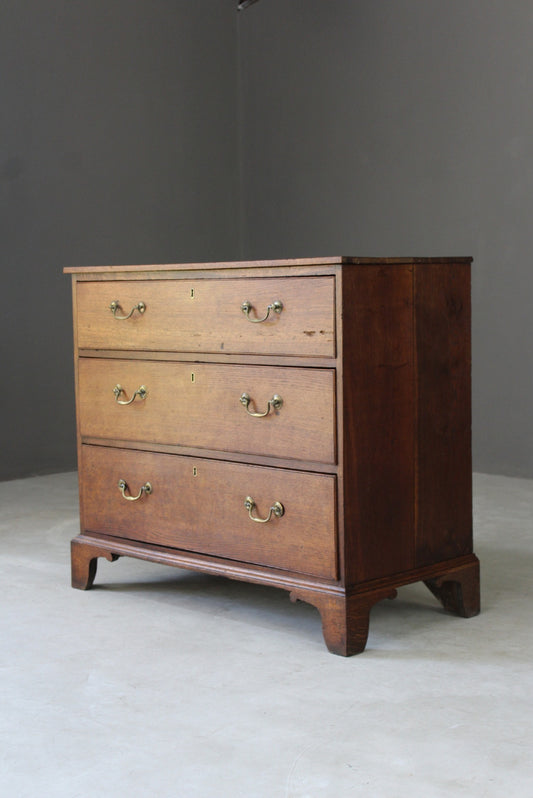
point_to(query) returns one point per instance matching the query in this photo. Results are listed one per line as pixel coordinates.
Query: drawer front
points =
(199, 405)
(199, 505)
(205, 315)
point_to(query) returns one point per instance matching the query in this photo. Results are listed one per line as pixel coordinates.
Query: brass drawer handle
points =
(277, 509)
(123, 487)
(276, 306)
(115, 305)
(141, 392)
(275, 403)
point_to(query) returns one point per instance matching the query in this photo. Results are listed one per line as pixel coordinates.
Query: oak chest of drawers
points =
(303, 424)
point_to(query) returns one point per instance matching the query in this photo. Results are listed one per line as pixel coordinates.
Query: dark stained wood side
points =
(444, 461)
(378, 456)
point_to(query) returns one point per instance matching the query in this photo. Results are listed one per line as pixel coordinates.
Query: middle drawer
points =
(210, 406)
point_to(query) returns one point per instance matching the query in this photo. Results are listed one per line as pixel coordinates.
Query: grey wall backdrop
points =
(385, 128)
(173, 131)
(118, 144)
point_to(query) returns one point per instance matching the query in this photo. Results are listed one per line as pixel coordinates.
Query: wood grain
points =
(443, 401)
(198, 405)
(205, 512)
(369, 454)
(206, 316)
(378, 421)
(292, 263)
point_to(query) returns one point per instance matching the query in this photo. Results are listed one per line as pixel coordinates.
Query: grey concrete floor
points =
(162, 683)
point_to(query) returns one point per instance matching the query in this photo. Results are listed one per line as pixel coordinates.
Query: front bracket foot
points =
(345, 619)
(83, 559)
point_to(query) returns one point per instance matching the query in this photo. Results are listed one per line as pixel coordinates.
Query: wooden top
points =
(257, 264)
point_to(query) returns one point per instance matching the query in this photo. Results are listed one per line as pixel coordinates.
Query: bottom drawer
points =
(199, 505)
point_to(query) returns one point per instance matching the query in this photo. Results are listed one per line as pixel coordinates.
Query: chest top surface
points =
(334, 260)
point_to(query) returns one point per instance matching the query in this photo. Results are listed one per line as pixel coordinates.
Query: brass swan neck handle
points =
(115, 305)
(275, 307)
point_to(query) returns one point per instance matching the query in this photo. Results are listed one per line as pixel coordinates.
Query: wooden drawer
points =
(198, 505)
(205, 315)
(198, 405)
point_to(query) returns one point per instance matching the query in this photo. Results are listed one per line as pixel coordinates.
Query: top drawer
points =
(206, 315)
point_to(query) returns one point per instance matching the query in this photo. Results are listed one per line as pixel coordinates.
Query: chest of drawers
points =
(303, 424)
